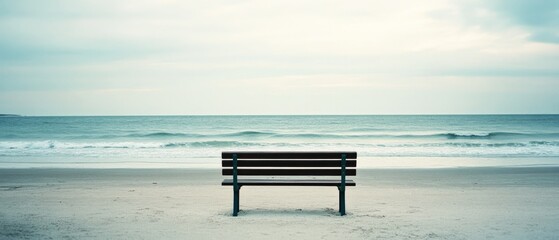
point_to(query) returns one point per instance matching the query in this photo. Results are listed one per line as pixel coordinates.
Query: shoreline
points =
(214, 163)
(190, 168)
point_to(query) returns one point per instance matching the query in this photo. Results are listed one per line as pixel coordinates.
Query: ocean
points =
(197, 141)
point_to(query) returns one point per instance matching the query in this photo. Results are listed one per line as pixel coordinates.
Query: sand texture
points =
(466, 203)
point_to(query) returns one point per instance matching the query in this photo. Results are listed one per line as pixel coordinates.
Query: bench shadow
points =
(288, 212)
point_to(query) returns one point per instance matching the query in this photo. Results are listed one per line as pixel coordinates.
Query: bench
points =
(288, 165)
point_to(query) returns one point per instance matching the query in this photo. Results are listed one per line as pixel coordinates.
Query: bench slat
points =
(288, 155)
(288, 163)
(286, 182)
(288, 172)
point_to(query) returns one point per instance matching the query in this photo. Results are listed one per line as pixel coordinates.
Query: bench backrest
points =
(289, 163)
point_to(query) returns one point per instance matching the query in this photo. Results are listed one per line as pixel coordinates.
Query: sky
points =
(279, 57)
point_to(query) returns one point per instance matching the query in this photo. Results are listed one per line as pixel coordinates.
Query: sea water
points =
(197, 141)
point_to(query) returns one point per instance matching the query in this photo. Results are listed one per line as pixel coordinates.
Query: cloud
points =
(530, 13)
(540, 17)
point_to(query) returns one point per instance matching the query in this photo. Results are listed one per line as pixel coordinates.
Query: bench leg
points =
(236, 192)
(342, 202)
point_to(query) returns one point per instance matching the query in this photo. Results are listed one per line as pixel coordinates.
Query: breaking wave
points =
(234, 136)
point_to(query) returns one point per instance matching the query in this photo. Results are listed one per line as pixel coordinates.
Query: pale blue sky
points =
(279, 57)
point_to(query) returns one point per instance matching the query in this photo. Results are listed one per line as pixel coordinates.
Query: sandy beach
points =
(459, 203)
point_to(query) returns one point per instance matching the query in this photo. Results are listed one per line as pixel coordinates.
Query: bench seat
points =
(287, 182)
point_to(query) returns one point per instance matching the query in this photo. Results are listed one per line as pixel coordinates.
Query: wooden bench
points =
(298, 164)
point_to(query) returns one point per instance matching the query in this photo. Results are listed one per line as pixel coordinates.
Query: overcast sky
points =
(279, 57)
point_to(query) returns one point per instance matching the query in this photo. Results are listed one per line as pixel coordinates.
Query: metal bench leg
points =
(341, 187)
(342, 202)
(236, 193)
(236, 187)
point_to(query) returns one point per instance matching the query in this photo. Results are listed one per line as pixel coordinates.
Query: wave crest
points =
(480, 136)
(202, 144)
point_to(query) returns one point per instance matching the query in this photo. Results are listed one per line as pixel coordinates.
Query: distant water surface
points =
(178, 141)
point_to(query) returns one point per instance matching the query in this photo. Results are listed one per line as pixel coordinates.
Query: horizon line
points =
(263, 115)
